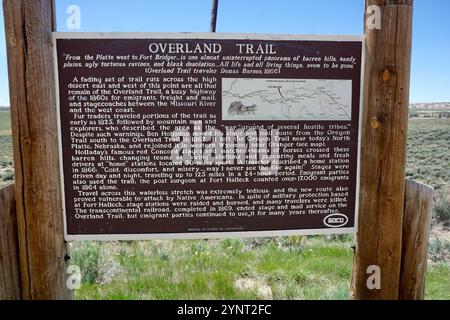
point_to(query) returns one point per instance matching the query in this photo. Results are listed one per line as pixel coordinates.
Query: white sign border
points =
(201, 36)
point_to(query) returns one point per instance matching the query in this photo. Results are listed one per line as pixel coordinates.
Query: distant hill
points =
(5, 122)
(435, 106)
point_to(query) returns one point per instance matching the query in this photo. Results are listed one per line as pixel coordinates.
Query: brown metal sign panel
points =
(208, 135)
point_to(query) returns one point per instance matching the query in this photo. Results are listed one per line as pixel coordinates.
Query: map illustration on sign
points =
(286, 99)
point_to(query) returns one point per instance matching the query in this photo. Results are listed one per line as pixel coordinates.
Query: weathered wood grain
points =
(416, 235)
(28, 27)
(9, 247)
(384, 134)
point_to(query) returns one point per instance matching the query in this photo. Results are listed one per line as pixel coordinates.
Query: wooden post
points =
(9, 247)
(28, 27)
(416, 234)
(215, 4)
(384, 133)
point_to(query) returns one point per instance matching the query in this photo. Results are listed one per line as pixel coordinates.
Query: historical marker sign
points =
(206, 135)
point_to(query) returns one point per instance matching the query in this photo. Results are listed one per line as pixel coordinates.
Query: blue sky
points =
(430, 78)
